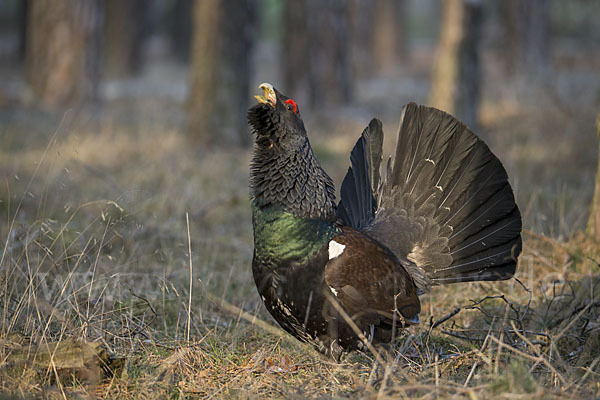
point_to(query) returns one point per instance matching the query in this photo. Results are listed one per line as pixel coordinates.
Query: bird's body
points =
(341, 275)
(289, 270)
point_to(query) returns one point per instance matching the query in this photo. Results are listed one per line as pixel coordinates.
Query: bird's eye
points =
(291, 105)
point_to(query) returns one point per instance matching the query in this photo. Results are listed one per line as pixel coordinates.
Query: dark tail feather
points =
(446, 205)
(358, 192)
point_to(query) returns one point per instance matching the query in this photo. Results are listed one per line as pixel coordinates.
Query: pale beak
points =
(269, 96)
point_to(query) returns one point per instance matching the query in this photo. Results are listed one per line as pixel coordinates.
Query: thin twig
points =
(189, 310)
(155, 314)
(589, 370)
(354, 327)
(530, 357)
(445, 318)
(471, 374)
(253, 319)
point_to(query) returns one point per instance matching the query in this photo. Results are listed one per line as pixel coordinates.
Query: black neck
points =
(292, 180)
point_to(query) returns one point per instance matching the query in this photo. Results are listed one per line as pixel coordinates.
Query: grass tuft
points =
(98, 297)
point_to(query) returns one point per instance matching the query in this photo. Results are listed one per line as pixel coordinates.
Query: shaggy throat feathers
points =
(285, 172)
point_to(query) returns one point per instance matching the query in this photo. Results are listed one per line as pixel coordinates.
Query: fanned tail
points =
(445, 208)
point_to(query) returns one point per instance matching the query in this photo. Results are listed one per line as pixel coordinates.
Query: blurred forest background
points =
(523, 74)
(119, 117)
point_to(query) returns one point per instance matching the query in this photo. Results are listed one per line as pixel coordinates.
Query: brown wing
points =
(368, 280)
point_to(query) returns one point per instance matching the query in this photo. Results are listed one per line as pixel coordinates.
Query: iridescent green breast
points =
(280, 236)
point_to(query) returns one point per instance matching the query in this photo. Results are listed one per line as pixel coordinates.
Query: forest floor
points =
(100, 296)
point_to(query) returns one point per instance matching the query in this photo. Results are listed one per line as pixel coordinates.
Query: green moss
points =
(517, 379)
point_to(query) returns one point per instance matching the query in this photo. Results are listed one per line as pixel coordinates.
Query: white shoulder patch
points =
(335, 249)
(335, 292)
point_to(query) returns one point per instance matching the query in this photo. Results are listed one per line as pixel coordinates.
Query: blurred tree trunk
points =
(389, 36)
(123, 36)
(593, 226)
(296, 52)
(455, 84)
(63, 50)
(317, 51)
(180, 29)
(220, 71)
(362, 23)
(329, 52)
(527, 37)
(22, 12)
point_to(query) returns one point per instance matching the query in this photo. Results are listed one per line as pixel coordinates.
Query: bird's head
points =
(284, 171)
(276, 121)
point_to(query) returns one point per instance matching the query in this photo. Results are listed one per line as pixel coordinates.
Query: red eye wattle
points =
(293, 104)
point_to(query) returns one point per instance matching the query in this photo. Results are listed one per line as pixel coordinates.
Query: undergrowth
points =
(96, 272)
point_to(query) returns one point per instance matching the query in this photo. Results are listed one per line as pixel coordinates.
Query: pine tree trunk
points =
(296, 52)
(220, 71)
(389, 36)
(455, 87)
(317, 52)
(22, 12)
(180, 29)
(527, 37)
(123, 33)
(63, 50)
(329, 52)
(362, 22)
(593, 226)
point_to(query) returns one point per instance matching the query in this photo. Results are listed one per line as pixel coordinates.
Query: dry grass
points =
(95, 251)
